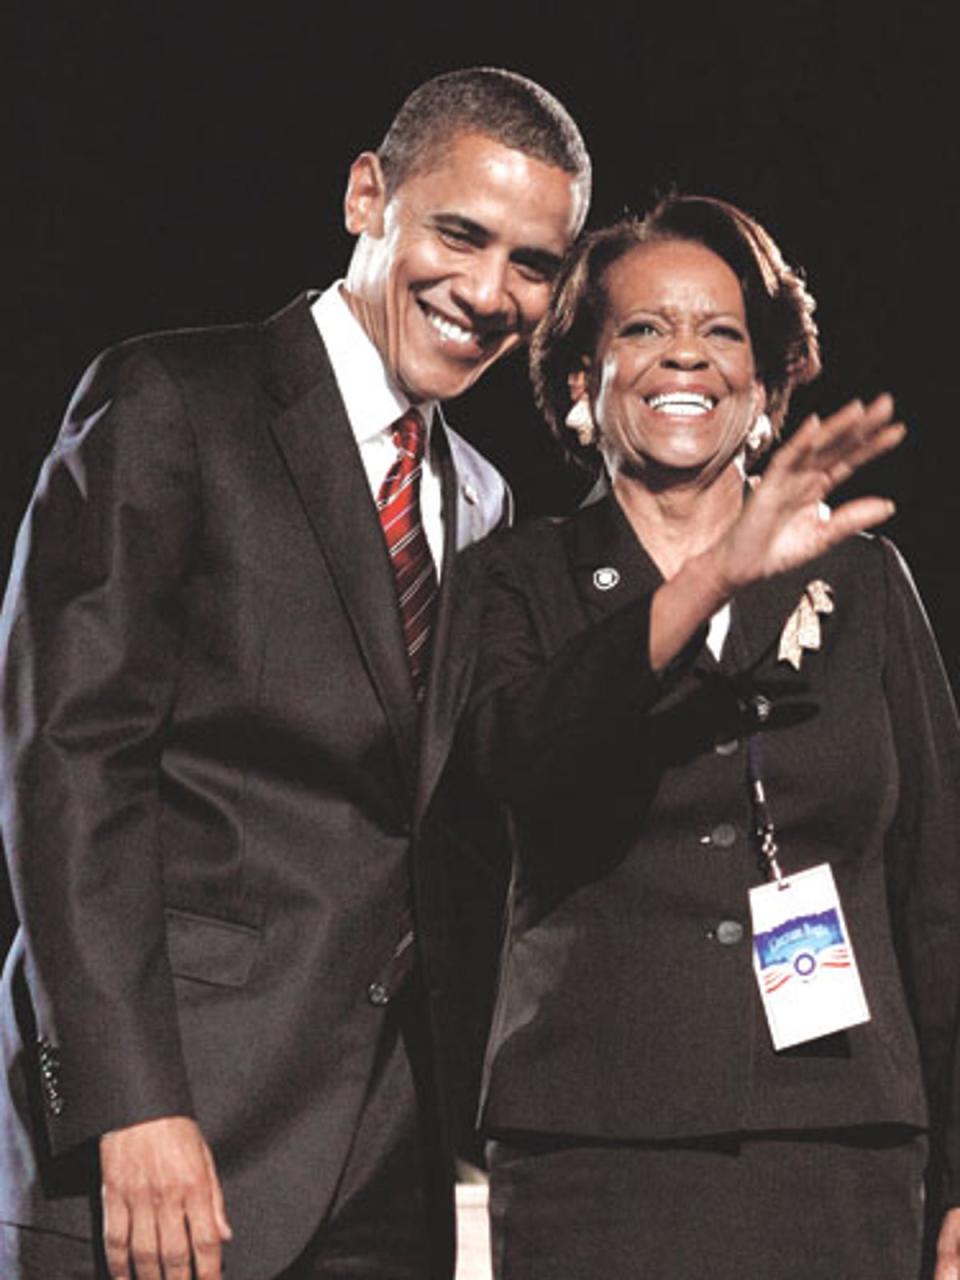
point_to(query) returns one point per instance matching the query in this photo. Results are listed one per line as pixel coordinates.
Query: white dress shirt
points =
(717, 630)
(374, 403)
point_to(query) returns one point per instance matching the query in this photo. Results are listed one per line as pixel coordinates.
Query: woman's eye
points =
(726, 331)
(640, 329)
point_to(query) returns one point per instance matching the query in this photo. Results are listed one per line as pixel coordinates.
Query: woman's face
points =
(674, 383)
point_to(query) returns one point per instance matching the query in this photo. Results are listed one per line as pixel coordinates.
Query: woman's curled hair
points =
(779, 308)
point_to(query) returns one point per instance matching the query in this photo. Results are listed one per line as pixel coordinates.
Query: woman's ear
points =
(366, 196)
(577, 383)
(760, 396)
(580, 418)
(760, 433)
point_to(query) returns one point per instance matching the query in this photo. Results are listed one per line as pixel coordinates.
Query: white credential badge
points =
(803, 958)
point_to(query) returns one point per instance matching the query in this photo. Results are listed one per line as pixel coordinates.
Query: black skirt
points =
(784, 1206)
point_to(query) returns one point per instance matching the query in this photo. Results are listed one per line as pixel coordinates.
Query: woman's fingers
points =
(825, 452)
(855, 517)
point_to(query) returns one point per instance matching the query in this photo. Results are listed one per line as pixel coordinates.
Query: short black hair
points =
(779, 307)
(502, 105)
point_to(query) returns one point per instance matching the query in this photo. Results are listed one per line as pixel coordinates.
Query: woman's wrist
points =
(683, 604)
(707, 579)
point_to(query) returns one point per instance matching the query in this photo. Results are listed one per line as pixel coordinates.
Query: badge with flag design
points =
(803, 958)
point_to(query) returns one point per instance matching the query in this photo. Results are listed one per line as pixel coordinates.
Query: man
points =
(230, 680)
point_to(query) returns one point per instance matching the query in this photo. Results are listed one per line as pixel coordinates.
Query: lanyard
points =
(766, 832)
(762, 707)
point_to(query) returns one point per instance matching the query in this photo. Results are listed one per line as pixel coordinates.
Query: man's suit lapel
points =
(455, 632)
(314, 436)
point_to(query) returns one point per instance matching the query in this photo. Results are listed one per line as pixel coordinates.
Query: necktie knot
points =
(410, 434)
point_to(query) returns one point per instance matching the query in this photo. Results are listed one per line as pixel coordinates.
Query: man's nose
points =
(483, 285)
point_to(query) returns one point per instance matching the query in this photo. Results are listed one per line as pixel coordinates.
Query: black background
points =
(184, 164)
(175, 164)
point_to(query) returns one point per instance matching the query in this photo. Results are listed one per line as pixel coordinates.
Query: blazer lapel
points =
(610, 566)
(314, 436)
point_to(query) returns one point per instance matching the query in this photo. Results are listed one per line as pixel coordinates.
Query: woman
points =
(693, 688)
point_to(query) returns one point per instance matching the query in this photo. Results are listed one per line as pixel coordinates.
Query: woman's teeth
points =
(682, 403)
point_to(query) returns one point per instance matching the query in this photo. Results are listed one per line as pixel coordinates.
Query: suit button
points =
(723, 835)
(378, 994)
(761, 707)
(726, 746)
(729, 932)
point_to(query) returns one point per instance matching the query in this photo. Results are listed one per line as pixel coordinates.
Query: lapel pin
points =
(606, 578)
(802, 629)
(469, 493)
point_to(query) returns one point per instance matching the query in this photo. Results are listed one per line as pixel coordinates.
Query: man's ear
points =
(366, 196)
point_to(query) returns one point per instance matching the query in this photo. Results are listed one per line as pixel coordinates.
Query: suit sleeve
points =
(543, 703)
(91, 637)
(923, 856)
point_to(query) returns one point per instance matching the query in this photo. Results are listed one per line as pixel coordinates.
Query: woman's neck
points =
(677, 521)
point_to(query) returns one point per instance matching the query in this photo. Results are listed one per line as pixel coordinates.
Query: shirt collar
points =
(372, 400)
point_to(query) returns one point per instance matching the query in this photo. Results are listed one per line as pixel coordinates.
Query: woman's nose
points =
(684, 351)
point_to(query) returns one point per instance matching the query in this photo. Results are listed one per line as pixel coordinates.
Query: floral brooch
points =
(802, 629)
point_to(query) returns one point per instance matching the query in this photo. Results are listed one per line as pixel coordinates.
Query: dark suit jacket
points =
(628, 1007)
(210, 779)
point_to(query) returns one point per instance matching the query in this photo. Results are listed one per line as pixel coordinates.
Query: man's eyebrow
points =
(540, 260)
(457, 222)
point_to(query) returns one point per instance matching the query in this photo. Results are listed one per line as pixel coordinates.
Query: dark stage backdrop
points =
(181, 164)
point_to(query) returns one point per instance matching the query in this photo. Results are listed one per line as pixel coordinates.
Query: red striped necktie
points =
(413, 569)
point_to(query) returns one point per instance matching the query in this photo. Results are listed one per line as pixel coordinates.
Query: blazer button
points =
(723, 836)
(378, 994)
(729, 932)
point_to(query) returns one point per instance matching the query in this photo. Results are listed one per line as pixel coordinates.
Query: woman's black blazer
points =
(627, 1004)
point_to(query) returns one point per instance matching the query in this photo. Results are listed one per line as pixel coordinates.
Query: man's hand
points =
(948, 1247)
(163, 1210)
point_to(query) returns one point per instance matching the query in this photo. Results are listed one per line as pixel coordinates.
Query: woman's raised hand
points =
(786, 522)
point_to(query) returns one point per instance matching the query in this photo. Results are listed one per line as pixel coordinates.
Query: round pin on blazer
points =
(605, 579)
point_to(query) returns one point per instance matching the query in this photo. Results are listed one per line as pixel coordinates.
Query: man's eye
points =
(534, 272)
(460, 239)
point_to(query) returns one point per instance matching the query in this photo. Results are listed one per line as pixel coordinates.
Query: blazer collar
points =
(314, 436)
(611, 568)
(610, 565)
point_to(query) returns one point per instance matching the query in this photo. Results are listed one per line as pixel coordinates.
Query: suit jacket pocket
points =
(210, 950)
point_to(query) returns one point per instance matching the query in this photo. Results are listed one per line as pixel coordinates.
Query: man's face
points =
(454, 270)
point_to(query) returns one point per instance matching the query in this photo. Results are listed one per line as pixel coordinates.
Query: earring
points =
(580, 420)
(759, 435)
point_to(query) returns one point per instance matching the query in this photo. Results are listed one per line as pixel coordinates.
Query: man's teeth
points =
(448, 329)
(683, 403)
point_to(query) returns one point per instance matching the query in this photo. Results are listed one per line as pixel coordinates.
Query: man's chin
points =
(444, 383)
